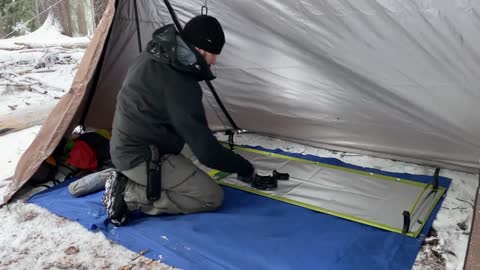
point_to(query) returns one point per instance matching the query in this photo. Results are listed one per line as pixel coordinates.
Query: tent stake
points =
(435, 179)
(406, 222)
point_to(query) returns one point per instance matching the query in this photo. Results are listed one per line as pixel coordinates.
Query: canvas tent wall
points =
(396, 78)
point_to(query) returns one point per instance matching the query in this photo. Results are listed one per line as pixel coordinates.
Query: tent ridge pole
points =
(138, 26)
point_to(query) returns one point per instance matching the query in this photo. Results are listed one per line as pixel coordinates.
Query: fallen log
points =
(22, 72)
(12, 48)
(27, 46)
(22, 119)
(75, 46)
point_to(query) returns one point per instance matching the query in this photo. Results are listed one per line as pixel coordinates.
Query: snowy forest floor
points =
(35, 72)
(37, 69)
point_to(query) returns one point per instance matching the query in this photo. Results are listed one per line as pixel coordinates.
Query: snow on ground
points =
(16, 143)
(33, 238)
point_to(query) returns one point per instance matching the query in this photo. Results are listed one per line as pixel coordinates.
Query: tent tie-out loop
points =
(205, 8)
(230, 134)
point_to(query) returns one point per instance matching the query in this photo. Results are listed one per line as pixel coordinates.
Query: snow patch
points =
(48, 34)
(33, 238)
(13, 146)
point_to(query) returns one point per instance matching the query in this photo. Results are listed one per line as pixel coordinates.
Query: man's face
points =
(210, 58)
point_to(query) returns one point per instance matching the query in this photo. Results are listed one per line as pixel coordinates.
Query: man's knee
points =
(207, 190)
(215, 198)
(203, 201)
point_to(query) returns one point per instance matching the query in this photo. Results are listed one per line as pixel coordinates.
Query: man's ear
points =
(205, 68)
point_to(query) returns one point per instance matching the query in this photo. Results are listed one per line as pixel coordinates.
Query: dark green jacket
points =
(160, 103)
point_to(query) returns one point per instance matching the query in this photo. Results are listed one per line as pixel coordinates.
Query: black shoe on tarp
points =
(114, 198)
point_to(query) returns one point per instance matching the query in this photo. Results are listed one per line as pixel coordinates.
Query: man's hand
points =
(260, 182)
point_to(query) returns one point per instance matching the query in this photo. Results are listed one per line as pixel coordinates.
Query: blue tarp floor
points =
(250, 232)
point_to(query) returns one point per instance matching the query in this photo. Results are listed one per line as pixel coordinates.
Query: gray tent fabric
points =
(363, 197)
(397, 77)
(393, 78)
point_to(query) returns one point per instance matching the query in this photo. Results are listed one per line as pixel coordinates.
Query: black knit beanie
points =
(206, 33)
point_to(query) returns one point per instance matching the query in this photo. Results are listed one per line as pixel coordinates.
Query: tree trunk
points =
(37, 10)
(2, 32)
(41, 6)
(82, 21)
(61, 12)
(99, 8)
(65, 18)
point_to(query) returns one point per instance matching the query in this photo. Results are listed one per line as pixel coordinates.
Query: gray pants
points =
(185, 189)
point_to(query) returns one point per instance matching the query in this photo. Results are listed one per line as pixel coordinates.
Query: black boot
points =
(114, 198)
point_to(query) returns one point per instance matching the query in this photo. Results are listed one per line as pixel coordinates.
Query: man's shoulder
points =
(151, 74)
(145, 63)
